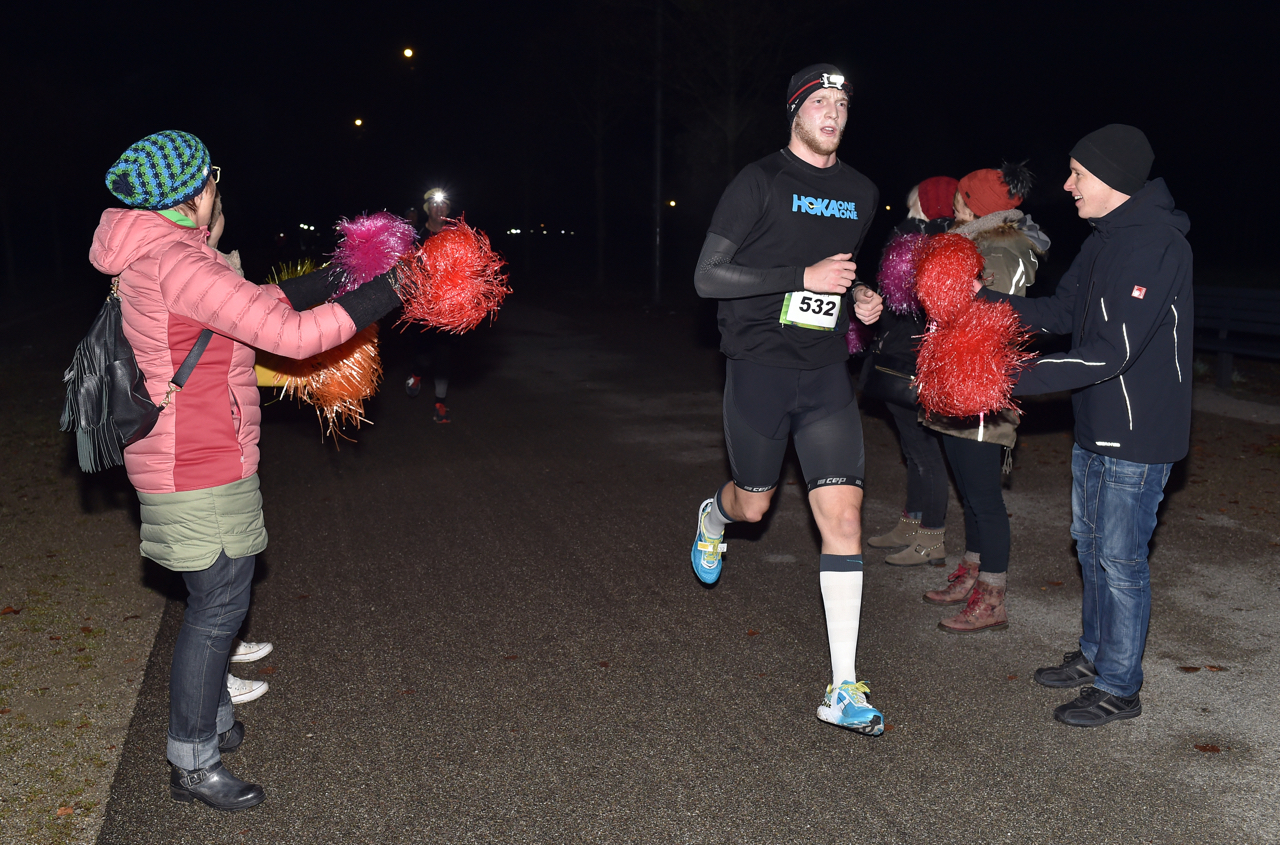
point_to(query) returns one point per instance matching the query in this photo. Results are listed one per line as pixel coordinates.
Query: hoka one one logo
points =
(826, 208)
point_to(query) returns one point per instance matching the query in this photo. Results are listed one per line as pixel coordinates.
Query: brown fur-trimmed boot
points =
(903, 534)
(930, 545)
(959, 584)
(985, 610)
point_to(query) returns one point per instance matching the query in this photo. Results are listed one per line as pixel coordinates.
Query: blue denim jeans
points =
(1113, 506)
(199, 704)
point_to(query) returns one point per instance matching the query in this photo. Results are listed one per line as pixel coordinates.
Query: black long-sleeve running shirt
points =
(777, 217)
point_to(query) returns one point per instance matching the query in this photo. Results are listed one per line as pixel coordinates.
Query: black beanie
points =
(805, 82)
(1119, 155)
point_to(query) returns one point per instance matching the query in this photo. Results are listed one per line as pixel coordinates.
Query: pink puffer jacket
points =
(172, 287)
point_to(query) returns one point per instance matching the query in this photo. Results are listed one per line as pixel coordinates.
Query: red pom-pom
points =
(453, 281)
(945, 275)
(967, 367)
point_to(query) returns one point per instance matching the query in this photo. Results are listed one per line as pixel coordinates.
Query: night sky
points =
(513, 106)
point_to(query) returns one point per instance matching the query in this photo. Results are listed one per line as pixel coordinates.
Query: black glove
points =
(310, 289)
(367, 303)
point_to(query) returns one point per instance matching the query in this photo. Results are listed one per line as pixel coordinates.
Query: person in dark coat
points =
(1127, 303)
(921, 526)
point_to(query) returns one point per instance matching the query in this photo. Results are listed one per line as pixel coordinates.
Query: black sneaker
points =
(413, 385)
(441, 414)
(1073, 672)
(1093, 707)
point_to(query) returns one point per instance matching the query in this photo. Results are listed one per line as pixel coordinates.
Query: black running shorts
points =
(763, 405)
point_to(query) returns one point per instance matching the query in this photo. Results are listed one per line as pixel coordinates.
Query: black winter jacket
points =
(1127, 303)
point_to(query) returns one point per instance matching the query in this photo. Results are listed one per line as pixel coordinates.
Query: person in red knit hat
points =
(921, 528)
(1010, 243)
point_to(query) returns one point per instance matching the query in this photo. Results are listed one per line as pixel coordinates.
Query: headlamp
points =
(832, 80)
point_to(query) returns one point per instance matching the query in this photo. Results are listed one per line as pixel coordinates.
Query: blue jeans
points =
(1113, 506)
(199, 704)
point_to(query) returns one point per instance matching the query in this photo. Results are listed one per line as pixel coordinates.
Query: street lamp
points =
(408, 53)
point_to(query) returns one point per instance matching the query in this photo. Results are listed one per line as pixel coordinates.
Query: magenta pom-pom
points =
(897, 277)
(945, 275)
(370, 246)
(859, 336)
(967, 367)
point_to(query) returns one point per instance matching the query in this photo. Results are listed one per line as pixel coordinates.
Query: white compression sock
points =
(715, 520)
(842, 599)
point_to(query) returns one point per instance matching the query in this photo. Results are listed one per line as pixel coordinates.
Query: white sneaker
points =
(249, 652)
(242, 690)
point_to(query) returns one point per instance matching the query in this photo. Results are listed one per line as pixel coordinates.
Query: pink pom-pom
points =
(453, 281)
(945, 275)
(897, 277)
(967, 367)
(371, 245)
(859, 336)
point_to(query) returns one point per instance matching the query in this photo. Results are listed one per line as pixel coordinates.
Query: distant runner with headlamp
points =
(779, 257)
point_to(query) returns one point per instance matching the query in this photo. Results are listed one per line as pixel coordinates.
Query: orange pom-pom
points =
(945, 275)
(336, 381)
(453, 281)
(967, 367)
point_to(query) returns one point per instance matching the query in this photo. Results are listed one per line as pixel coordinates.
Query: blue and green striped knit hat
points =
(160, 171)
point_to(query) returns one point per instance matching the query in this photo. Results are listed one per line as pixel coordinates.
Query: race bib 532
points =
(820, 311)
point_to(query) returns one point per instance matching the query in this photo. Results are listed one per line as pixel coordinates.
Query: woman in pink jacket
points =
(196, 472)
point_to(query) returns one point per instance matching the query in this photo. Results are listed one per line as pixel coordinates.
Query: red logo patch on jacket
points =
(1139, 292)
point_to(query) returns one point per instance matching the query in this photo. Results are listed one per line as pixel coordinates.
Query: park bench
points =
(1237, 321)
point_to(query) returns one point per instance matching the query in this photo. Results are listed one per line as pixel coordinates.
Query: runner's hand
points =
(867, 304)
(830, 275)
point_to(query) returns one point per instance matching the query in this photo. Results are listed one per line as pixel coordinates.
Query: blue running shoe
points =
(846, 706)
(706, 550)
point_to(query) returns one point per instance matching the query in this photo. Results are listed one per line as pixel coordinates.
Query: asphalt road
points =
(488, 631)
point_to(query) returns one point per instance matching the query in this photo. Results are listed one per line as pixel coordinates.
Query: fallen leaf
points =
(889, 727)
(304, 595)
(1222, 510)
(1189, 669)
(85, 629)
(1046, 589)
(512, 657)
(604, 664)
(407, 691)
(1055, 583)
(939, 565)
(131, 660)
(82, 727)
(134, 616)
(751, 632)
(1216, 668)
(10, 609)
(1208, 749)
(1013, 677)
(267, 670)
(64, 811)
(81, 648)
(4, 710)
(55, 638)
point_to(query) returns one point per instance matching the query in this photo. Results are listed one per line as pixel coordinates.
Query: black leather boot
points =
(230, 740)
(214, 786)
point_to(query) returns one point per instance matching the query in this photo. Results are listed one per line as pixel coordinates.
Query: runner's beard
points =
(815, 142)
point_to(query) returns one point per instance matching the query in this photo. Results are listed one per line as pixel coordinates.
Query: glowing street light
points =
(359, 122)
(672, 203)
(408, 53)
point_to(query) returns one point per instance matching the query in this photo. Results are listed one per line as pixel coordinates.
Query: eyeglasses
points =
(217, 173)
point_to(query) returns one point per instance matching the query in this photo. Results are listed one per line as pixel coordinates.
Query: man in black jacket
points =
(1127, 303)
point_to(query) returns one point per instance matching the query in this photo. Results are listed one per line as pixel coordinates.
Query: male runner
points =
(778, 256)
